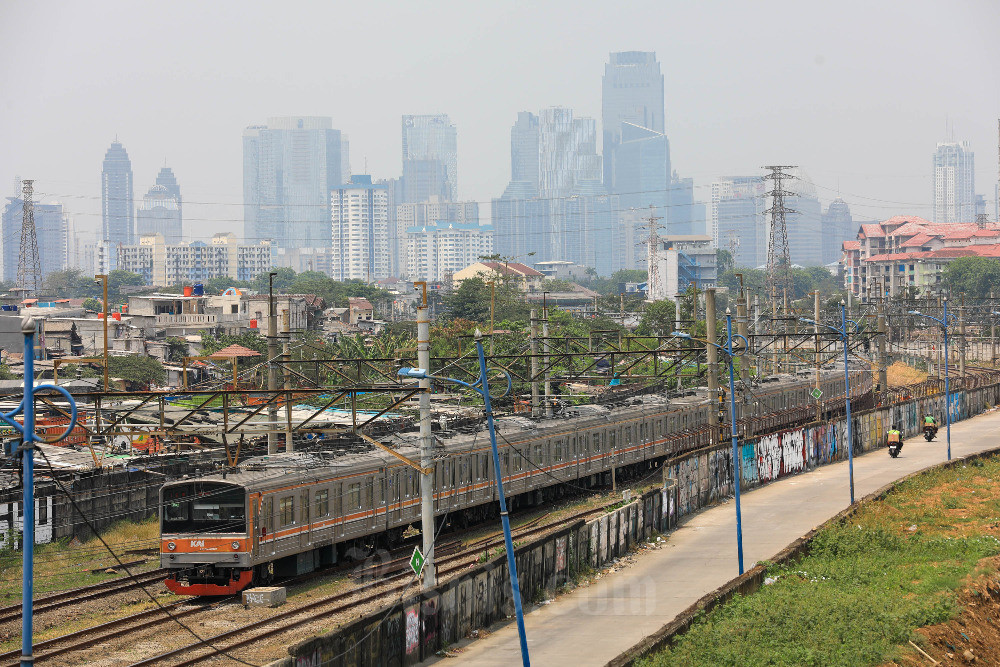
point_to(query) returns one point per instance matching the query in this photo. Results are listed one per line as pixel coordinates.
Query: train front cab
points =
(205, 537)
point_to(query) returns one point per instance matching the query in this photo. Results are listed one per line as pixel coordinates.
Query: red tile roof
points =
(852, 245)
(235, 350)
(513, 268)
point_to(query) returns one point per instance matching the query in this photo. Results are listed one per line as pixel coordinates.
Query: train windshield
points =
(204, 507)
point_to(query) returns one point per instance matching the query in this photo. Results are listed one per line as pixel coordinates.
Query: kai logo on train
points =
(197, 543)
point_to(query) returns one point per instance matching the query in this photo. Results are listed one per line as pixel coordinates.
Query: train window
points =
(409, 483)
(322, 502)
(518, 459)
(598, 439)
(268, 515)
(338, 507)
(484, 467)
(304, 508)
(354, 496)
(207, 507)
(286, 508)
(539, 461)
(445, 476)
(557, 447)
(612, 440)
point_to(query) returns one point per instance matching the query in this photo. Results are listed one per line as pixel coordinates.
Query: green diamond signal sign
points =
(816, 393)
(416, 561)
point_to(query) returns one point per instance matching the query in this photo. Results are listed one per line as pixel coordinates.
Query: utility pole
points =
(883, 381)
(819, 408)
(535, 411)
(712, 352)
(961, 340)
(779, 263)
(286, 371)
(427, 528)
(272, 371)
(547, 387)
(104, 283)
(29, 268)
(741, 329)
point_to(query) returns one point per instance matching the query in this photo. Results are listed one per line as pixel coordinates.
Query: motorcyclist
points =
(930, 421)
(894, 436)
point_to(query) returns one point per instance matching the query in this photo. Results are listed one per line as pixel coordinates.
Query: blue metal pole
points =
(508, 542)
(947, 386)
(847, 394)
(28, 464)
(736, 456)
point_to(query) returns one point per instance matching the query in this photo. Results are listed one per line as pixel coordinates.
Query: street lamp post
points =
(731, 353)
(844, 332)
(947, 385)
(482, 387)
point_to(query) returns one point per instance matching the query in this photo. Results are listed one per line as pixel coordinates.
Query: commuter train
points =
(288, 514)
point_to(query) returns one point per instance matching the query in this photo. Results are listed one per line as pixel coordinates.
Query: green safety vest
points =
(893, 435)
(928, 420)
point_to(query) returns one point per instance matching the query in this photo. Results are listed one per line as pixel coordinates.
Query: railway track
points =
(225, 642)
(93, 592)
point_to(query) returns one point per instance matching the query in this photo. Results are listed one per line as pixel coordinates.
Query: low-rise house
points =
(526, 278)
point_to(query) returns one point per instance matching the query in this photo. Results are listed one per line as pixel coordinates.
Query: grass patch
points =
(63, 565)
(865, 586)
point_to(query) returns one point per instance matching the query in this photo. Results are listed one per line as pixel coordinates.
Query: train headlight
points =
(235, 545)
(171, 546)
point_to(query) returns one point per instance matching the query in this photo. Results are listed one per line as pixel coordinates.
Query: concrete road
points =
(592, 625)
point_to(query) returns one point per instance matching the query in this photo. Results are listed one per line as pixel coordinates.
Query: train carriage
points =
(288, 514)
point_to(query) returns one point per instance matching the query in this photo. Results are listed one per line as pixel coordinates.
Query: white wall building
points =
(681, 260)
(954, 183)
(432, 251)
(197, 261)
(359, 215)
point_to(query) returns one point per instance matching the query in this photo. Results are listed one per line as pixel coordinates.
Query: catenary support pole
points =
(816, 355)
(28, 466)
(272, 369)
(547, 386)
(736, 452)
(426, 443)
(533, 346)
(504, 518)
(287, 380)
(712, 354)
(845, 332)
(947, 385)
(883, 378)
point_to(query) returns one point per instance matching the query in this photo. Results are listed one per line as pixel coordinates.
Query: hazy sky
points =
(857, 92)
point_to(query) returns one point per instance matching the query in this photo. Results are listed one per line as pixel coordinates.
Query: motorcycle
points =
(894, 448)
(929, 432)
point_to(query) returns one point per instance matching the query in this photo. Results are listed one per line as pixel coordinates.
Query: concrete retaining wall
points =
(413, 630)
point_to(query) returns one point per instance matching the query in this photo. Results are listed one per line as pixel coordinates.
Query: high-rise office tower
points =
(641, 172)
(359, 214)
(290, 166)
(954, 183)
(737, 222)
(167, 179)
(51, 232)
(567, 152)
(838, 226)
(430, 157)
(632, 92)
(524, 150)
(686, 215)
(159, 213)
(805, 225)
(117, 211)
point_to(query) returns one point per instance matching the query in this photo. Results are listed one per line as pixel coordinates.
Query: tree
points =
(972, 276)
(471, 301)
(724, 261)
(177, 349)
(137, 370)
(658, 319)
(210, 344)
(96, 305)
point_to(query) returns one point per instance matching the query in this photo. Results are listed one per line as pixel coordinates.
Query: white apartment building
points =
(434, 250)
(197, 261)
(359, 215)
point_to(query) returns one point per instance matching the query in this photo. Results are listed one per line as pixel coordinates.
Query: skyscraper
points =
(290, 166)
(954, 183)
(430, 141)
(359, 214)
(117, 211)
(51, 231)
(167, 179)
(642, 171)
(838, 226)
(632, 93)
(737, 222)
(160, 213)
(805, 226)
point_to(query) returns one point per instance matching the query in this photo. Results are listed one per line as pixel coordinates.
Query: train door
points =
(338, 510)
(266, 530)
(305, 513)
(395, 498)
(255, 501)
(372, 489)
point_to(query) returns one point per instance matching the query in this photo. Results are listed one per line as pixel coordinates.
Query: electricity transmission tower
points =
(653, 244)
(779, 263)
(29, 268)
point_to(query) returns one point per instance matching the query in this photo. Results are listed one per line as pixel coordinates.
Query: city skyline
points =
(878, 161)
